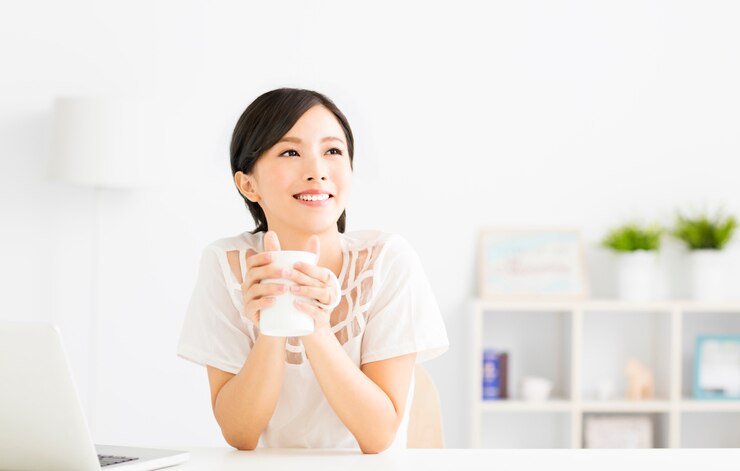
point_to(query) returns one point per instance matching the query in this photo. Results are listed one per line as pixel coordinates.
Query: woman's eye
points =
(289, 150)
(339, 151)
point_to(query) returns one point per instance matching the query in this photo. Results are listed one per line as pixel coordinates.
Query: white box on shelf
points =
(618, 432)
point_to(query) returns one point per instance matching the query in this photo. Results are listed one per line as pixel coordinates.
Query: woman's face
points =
(312, 155)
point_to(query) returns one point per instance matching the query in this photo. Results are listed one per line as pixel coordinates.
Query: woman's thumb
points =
(271, 242)
(314, 245)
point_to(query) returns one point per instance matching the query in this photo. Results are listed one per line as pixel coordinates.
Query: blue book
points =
(491, 374)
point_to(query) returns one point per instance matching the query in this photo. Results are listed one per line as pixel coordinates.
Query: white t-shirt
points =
(387, 309)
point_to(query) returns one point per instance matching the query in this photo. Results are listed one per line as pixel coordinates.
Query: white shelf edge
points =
(518, 405)
(565, 405)
(485, 305)
(657, 405)
(711, 308)
(694, 307)
(707, 405)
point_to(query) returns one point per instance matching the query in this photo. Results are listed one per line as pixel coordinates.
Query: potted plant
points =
(705, 238)
(636, 247)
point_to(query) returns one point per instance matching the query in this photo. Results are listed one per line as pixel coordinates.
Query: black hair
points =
(265, 121)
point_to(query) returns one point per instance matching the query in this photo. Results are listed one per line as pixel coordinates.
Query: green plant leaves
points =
(631, 236)
(701, 232)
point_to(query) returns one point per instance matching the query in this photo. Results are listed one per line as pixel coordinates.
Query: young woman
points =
(348, 384)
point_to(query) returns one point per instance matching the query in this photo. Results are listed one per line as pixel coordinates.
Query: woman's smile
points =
(314, 200)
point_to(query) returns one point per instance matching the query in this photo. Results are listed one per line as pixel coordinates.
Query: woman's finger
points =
(310, 309)
(321, 294)
(259, 290)
(256, 275)
(311, 275)
(255, 305)
(270, 242)
(255, 259)
(314, 271)
(314, 245)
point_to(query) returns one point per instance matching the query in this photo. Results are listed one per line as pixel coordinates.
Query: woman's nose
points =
(316, 169)
(316, 176)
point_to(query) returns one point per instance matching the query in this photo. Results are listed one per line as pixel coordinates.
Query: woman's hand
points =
(317, 283)
(258, 295)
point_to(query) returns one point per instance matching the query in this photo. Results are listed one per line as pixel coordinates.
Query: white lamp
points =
(102, 143)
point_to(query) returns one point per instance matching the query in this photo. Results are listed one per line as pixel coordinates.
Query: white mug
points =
(283, 318)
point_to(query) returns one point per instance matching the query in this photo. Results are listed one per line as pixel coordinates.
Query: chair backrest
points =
(425, 416)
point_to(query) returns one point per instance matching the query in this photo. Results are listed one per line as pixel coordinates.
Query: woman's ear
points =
(246, 186)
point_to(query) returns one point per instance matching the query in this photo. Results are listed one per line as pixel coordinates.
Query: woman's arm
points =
(244, 403)
(369, 401)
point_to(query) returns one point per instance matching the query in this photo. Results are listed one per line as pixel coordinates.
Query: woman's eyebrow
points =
(295, 139)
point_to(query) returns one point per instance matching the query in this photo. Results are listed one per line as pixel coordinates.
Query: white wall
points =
(514, 113)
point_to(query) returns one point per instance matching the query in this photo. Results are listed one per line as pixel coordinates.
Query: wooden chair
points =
(425, 416)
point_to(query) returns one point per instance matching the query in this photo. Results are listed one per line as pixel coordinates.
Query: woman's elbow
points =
(376, 446)
(371, 451)
(241, 443)
(244, 447)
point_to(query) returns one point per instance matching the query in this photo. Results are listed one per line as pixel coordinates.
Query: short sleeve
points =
(403, 316)
(213, 332)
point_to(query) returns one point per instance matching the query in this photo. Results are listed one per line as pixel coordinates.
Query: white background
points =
(466, 115)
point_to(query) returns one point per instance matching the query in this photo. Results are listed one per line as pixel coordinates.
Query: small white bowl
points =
(536, 389)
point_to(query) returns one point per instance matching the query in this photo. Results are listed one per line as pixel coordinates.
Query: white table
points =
(226, 459)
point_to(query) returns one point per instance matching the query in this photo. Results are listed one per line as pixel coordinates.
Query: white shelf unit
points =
(575, 342)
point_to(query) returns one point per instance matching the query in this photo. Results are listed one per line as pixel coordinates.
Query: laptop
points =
(42, 424)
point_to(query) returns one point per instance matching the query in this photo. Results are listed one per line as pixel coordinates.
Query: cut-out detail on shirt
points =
(234, 263)
(356, 280)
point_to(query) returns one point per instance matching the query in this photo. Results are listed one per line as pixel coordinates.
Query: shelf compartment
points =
(701, 323)
(610, 338)
(543, 352)
(522, 430)
(716, 429)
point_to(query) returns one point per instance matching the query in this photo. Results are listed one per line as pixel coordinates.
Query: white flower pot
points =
(637, 275)
(707, 275)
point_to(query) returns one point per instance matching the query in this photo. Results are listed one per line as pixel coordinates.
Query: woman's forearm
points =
(245, 404)
(375, 422)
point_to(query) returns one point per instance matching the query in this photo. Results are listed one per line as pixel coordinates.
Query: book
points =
(504, 375)
(495, 365)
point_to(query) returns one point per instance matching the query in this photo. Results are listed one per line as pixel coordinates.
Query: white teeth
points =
(313, 197)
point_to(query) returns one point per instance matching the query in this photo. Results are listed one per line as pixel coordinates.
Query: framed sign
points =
(717, 367)
(531, 264)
